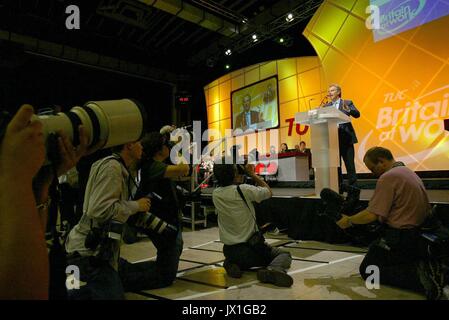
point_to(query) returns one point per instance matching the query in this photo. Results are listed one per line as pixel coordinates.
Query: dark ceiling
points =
(160, 44)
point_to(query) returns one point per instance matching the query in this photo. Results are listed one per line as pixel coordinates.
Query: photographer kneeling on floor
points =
(244, 246)
(164, 224)
(401, 203)
(93, 245)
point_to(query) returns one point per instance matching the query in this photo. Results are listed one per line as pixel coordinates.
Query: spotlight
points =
(227, 67)
(254, 37)
(289, 17)
(228, 52)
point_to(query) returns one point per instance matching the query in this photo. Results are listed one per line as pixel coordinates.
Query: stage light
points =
(289, 17)
(228, 52)
(254, 37)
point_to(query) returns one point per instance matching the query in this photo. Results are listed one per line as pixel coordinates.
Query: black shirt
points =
(152, 180)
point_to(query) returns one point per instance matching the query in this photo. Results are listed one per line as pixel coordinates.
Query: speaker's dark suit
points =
(240, 120)
(347, 138)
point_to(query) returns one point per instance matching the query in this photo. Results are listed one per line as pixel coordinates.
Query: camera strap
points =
(247, 205)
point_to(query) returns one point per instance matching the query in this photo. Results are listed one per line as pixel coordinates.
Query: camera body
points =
(335, 205)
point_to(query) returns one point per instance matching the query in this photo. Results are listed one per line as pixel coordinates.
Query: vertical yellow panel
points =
(214, 95)
(252, 76)
(319, 45)
(206, 95)
(215, 126)
(360, 8)
(225, 109)
(347, 4)
(225, 78)
(286, 68)
(237, 73)
(238, 82)
(224, 124)
(306, 63)
(225, 90)
(288, 110)
(352, 36)
(329, 22)
(288, 89)
(268, 69)
(310, 82)
(336, 66)
(213, 113)
(251, 67)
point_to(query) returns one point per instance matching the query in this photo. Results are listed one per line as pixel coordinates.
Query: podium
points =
(324, 123)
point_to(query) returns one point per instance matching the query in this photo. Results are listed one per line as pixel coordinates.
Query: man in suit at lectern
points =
(247, 117)
(346, 133)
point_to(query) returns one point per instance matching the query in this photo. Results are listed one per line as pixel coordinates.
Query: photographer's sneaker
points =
(278, 278)
(431, 278)
(232, 270)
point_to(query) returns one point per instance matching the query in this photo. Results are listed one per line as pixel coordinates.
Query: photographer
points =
(244, 246)
(24, 202)
(400, 202)
(107, 205)
(164, 226)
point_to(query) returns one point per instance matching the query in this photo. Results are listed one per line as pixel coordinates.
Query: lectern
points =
(323, 124)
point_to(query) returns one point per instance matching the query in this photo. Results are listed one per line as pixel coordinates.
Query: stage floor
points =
(435, 196)
(320, 271)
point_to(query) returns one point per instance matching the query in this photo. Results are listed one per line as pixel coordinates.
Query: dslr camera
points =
(335, 205)
(113, 121)
(148, 221)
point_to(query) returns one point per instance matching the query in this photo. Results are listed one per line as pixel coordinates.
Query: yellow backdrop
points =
(301, 83)
(399, 84)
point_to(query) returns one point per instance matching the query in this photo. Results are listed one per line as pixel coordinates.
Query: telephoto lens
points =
(151, 222)
(113, 122)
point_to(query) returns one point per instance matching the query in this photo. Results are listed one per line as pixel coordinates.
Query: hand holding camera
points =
(250, 169)
(144, 204)
(22, 149)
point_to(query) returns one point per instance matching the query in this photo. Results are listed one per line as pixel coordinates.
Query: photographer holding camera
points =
(244, 246)
(401, 203)
(164, 224)
(94, 243)
(24, 201)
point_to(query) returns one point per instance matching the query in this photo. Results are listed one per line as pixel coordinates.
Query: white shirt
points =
(248, 118)
(236, 222)
(336, 104)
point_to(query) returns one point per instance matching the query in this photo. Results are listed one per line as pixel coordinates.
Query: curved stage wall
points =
(400, 83)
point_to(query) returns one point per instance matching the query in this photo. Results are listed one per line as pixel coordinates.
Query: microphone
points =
(310, 108)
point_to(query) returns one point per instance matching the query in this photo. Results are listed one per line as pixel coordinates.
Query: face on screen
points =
(246, 103)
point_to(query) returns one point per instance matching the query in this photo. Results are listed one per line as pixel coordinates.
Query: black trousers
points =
(347, 154)
(263, 255)
(396, 254)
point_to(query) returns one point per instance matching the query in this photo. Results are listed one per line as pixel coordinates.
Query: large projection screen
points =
(255, 107)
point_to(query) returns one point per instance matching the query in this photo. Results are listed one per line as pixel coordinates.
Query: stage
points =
(437, 189)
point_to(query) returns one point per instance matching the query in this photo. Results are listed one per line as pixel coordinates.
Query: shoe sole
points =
(280, 279)
(233, 271)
